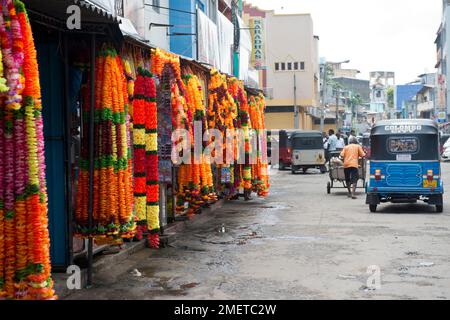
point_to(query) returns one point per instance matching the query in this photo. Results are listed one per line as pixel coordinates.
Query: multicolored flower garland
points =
(113, 200)
(25, 269)
(236, 89)
(160, 58)
(261, 183)
(223, 115)
(146, 190)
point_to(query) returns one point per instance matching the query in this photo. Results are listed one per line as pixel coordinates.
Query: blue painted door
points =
(51, 75)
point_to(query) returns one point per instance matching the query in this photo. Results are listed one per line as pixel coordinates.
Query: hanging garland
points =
(113, 201)
(181, 119)
(223, 115)
(25, 269)
(202, 172)
(236, 89)
(146, 175)
(261, 176)
(160, 58)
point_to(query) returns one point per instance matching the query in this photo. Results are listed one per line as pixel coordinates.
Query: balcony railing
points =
(425, 106)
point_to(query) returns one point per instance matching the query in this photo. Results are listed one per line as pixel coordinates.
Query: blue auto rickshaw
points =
(405, 164)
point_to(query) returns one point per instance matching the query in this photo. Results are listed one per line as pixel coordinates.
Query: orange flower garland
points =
(261, 176)
(113, 201)
(202, 173)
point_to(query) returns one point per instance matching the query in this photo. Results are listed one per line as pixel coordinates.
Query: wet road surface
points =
(299, 243)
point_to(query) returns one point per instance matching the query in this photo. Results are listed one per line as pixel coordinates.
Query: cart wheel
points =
(439, 208)
(328, 187)
(373, 208)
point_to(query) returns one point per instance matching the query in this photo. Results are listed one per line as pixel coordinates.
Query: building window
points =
(156, 4)
(302, 65)
(283, 66)
(289, 66)
(295, 65)
(212, 9)
(378, 94)
(277, 66)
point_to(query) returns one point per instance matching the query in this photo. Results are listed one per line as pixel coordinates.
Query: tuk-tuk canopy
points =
(307, 140)
(417, 126)
(304, 133)
(405, 140)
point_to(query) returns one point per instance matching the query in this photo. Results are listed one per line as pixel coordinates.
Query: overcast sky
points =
(376, 35)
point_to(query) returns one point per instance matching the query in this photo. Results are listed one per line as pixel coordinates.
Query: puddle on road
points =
(189, 286)
(165, 286)
(294, 238)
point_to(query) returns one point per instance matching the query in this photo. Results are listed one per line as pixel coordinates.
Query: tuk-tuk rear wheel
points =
(439, 208)
(373, 208)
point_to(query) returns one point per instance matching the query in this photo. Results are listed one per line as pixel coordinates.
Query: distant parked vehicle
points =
(307, 151)
(443, 139)
(445, 155)
(285, 149)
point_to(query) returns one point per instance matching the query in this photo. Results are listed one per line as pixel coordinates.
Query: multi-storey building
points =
(442, 55)
(149, 20)
(406, 100)
(380, 83)
(289, 70)
(427, 97)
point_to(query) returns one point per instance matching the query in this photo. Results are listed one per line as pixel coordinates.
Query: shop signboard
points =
(256, 25)
(441, 117)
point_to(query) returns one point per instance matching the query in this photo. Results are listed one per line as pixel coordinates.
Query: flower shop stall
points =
(103, 115)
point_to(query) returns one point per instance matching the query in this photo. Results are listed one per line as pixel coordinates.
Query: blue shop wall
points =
(51, 76)
(184, 23)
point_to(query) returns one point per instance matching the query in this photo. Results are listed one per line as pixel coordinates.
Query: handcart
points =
(337, 175)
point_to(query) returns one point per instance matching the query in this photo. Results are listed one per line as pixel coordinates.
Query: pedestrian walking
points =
(351, 155)
(340, 145)
(330, 145)
(352, 135)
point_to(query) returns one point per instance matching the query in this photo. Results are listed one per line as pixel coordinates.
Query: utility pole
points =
(296, 111)
(324, 97)
(338, 92)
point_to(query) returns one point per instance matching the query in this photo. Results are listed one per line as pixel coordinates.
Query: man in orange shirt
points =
(351, 155)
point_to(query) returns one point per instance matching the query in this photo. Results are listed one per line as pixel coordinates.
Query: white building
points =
(149, 20)
(291, 75)
(443, 73)
(380, 82)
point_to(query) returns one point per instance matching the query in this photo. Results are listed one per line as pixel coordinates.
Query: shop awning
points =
(94, 17)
